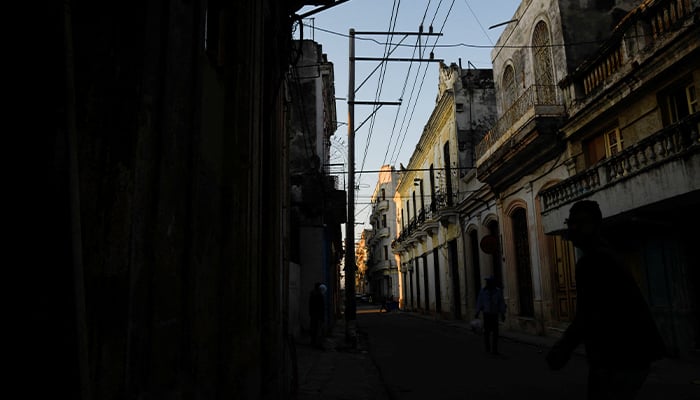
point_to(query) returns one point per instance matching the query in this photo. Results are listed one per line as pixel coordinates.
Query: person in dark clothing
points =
(491, 302)
(612, 319)
(317, 313)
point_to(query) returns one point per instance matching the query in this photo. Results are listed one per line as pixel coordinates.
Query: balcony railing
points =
(647, 153)
(425, 216)
(534, 96)
(662, 17)
(382, 205)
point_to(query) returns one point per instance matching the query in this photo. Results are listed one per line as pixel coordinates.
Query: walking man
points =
(612, 318)
(491, 302)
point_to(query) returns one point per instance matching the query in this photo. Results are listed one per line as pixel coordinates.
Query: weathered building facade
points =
(382, 265)
(361, 259)
(633, 146)
(432, 187)
(317, 206)
(599, 107)
(165, 237)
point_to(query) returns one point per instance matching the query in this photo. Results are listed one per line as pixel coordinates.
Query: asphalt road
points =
(420, 358)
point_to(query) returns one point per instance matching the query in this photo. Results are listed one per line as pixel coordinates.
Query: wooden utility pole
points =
(350, 267)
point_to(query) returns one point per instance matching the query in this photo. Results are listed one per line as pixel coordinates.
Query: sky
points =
(389, 135)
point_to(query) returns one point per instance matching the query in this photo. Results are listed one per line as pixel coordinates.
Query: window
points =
(613, 142)
(602, 146)
(544, 71)
(678, 102)
(386, 252)
(383, 194)
(383, 220)
(692, 98)
(508, 87)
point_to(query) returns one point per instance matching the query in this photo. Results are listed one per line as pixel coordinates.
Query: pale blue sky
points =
(390, 137)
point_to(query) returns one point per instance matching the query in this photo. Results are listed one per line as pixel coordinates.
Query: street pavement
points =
(404, 356)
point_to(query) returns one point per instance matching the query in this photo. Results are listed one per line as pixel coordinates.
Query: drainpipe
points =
(74, 193)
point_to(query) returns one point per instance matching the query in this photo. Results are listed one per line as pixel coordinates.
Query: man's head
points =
(490, 281)
(584, 223)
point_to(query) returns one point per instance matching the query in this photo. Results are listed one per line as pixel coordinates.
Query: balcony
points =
(382, 265)
(524, 137)
(649, 26)
(378, 207)
(427, 221)
(654, 169)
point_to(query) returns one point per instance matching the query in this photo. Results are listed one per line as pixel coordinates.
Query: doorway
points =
(522, 262)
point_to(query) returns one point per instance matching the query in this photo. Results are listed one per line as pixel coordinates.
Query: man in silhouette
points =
(491, 302)
(612, 318)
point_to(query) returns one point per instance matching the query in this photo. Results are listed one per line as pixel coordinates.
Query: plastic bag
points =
(476, 325)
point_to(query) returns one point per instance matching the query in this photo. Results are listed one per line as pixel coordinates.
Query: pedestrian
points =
(491, 303)
(612, 318)
(383, 305)
(317, 311)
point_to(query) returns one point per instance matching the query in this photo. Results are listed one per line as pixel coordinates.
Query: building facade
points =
(163, 196)
(317, 205)
(602, 107)
(632, 145)
(382, 264)
(431, 189)
(361, 259)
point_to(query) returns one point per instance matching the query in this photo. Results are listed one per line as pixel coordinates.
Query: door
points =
(454, 269)
(564, 260)
(522, 260)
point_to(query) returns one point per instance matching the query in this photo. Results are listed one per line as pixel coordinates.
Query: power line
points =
(420, 89)
(425, 13)
(395, 153)
(478, 22)
(378, 91)
(487, 46)
(376, 171)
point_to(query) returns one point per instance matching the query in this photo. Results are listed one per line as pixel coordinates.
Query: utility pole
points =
(350, 267)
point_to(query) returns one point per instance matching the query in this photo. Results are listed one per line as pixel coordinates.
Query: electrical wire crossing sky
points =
(388, 134)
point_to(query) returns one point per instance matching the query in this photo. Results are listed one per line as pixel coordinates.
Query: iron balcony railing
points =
(536, 95)
(425, 215)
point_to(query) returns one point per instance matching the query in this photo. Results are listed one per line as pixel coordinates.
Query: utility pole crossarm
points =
(369, 33)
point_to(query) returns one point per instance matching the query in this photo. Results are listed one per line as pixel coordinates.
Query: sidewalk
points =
(340, 371)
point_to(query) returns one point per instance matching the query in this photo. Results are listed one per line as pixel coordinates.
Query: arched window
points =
(544, 70)
(508, 87)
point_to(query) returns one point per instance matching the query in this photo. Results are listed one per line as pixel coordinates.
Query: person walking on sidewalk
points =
(612, 318)
(491, 303)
